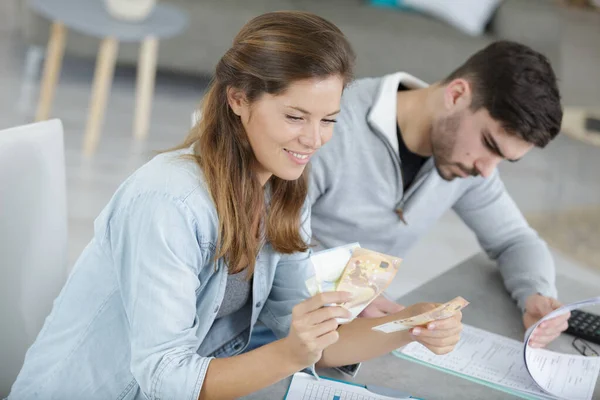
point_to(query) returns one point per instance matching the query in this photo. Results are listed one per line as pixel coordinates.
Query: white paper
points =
(305, 387)
(482, 355)
(510, 363)
(566, 376)
(391, 328)
(329, 265)
(562, 375)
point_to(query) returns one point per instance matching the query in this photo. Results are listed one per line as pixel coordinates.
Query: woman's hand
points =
(314, 327)
(440, 336)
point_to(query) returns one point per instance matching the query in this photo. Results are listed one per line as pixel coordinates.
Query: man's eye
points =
(489, 146)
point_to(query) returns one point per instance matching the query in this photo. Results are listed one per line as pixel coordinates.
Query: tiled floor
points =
(560, 177)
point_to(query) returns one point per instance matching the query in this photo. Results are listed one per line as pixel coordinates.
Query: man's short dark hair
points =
(518, 87)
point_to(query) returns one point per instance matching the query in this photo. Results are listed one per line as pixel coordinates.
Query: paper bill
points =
(366, 275)
(445, 310)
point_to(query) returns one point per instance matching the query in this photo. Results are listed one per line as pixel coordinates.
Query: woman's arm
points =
(359, 342)
(313, 329)
(233, 377)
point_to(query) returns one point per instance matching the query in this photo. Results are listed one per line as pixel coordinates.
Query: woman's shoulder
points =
(174, 176)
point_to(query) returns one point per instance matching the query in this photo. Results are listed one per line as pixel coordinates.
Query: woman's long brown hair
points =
(268, 54)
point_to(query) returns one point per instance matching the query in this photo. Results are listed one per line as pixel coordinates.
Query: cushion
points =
(469, 16)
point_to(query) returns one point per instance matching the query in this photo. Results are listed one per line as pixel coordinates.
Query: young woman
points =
(205, 240)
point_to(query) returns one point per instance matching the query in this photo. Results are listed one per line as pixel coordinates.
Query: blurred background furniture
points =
(579, 231)
(91, 20)
(33, 237)
(385, 40)
(574, 124)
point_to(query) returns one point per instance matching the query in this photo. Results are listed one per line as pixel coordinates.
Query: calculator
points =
(585, 325)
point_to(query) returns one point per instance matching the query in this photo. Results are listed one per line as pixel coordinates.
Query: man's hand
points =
(536, 307)
(380, 307)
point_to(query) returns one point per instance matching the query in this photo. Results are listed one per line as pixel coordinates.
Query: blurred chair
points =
(33, 237)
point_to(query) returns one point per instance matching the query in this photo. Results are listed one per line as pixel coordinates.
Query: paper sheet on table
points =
(484, 357)
(562, 375)
(498, 362)
(304, 387)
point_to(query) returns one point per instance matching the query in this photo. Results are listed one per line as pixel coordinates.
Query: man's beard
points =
(443, 141)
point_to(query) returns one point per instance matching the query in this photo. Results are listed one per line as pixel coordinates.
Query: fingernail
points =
(431, 326)
(416, 331)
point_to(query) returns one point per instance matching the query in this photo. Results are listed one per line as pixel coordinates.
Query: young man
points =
(404, 153)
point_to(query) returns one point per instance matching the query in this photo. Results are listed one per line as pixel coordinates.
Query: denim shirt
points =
(131, 320)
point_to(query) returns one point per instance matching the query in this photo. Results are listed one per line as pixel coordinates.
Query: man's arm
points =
(523, 257)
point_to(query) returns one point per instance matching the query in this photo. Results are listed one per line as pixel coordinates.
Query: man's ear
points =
(236, 98)
(458, 94)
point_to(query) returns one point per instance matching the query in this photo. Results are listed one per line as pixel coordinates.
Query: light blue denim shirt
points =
(132, 319)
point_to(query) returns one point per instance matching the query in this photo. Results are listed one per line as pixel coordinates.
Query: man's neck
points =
(414, 115)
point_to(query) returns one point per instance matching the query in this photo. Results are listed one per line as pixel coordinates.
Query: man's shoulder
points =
(351, 128)
(361, 93)
(357, 100)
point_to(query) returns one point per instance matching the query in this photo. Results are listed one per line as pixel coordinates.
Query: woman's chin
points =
(289, 174)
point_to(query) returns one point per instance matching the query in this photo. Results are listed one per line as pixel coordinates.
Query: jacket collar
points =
(382, 115)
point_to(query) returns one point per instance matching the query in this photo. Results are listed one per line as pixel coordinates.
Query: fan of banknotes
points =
(366, 274)
(362, 272)
(442, 311)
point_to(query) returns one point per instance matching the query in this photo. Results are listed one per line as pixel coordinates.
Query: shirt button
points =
(216, 309)
(258, 304)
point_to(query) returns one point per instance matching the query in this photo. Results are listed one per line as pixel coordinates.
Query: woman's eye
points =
(292, 118)
(329, 121)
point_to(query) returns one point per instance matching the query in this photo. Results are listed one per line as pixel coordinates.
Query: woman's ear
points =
(237, 100)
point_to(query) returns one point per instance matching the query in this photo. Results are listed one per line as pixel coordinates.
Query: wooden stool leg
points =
(146, 76)
(103, 76)
(54, 56)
